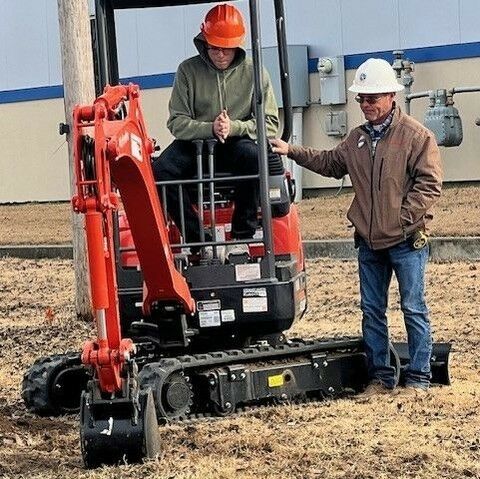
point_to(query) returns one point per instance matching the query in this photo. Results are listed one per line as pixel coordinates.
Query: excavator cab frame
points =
(130, 278)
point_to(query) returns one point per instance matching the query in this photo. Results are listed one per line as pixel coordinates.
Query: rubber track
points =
(189, 363)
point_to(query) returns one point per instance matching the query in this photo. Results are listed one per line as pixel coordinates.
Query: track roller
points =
(172, 392)
(118, 431)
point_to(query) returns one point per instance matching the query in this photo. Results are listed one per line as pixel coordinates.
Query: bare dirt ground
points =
(376, 438)
(456, 214)
(381, 437)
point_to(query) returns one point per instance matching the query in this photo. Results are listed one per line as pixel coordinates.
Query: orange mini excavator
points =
(181, 335)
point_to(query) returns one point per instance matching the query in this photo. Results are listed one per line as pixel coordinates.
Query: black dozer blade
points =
(118, 431)
(438, 361)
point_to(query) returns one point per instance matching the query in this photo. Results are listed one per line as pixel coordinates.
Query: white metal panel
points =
(3, 46)
(369, 26)
(429, 23)
(193, 17)
(34, 160)
(268, 28)
(160, 39)
(25, 43)
(469, 14)
(316, 23)
(127, 42)
(53, 44)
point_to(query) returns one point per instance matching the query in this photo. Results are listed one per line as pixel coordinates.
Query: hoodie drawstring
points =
(222, 94)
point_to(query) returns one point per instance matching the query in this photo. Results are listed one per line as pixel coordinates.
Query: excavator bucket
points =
(118, 432)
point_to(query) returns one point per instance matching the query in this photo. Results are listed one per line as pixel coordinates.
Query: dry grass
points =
(378, 438)
(382, 437)
(36, 223)
(457, 214)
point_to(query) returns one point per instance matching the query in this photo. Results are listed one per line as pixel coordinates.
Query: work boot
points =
(413, 391)
(375, 388)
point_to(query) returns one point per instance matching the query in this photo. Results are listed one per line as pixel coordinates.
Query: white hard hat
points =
(375, 76)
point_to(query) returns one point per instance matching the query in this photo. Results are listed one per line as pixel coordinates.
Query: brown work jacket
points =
(395, 188)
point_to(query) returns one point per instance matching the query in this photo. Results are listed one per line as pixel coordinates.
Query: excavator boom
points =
(112, 154)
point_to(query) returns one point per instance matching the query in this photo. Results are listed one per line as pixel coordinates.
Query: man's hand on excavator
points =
(279, 146)
(221, 126)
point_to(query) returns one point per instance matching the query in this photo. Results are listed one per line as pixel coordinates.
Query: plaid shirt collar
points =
(377, 133)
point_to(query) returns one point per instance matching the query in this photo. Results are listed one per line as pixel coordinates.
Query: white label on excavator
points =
(228, 315)
(209, 305)
(255, 305)
(209, 319)
(247, 272)
(255, 292)
(275, 193)
(220, 232)
(136, 146)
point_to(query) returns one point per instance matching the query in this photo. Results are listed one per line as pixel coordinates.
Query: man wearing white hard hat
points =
(395, 169)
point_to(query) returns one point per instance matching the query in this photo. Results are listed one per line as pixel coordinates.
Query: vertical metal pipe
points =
(101, 323)
(113, 74)
(211, 185)
(284, 70)
(261, 137)
(164, 201)
(102, 42)
(182, 213)
(198, 149)
(407, 101)
(297, 139)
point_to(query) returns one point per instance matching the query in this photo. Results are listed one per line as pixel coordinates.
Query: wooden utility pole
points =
(78, 87)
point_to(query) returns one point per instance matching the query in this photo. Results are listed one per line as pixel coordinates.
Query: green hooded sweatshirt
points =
(201, 92)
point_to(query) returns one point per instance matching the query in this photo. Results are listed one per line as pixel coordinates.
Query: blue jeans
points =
(375, 270)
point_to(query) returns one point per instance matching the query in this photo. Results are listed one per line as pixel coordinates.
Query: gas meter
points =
(443, 120)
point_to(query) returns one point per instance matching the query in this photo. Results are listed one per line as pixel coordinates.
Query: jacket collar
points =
(397, 115)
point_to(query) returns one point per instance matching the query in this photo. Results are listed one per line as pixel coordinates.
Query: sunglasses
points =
(370, 99)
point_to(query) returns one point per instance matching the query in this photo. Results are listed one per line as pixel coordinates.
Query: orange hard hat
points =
(224, 27)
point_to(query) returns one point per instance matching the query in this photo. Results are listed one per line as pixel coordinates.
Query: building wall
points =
(460, 163)
(33, 164)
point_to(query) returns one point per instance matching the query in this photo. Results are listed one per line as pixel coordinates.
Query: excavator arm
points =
(112, 153)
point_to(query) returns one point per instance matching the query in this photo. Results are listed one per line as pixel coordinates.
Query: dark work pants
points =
(238, 156)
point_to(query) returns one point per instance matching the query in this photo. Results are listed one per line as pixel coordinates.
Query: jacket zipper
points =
(372, 155)
(380, 176)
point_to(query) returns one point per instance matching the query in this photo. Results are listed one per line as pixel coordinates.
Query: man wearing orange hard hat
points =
(213, 97)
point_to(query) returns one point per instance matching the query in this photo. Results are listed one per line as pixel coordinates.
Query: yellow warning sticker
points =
(275, 381)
